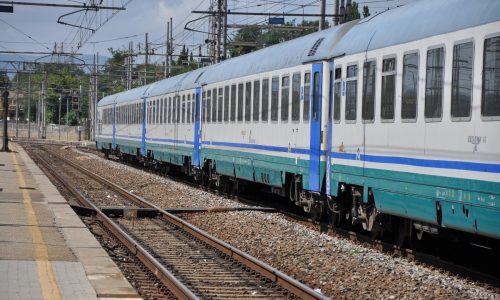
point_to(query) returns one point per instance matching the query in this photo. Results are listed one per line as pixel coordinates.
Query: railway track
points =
(188, 261)
(366, 240)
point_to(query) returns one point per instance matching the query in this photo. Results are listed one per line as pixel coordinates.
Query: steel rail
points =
(383, 246)
(292, 285)
(167, 278)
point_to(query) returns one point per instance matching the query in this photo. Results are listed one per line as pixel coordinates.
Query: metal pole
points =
(29, 105)
(17, 105)
(146, 61)
(38, 107)
(171, 48)
(322, 13)
(59, 117)
(44, 129)
(67, 119)
(219, 30)
(166, 51)
(336, 5)
(94, 113)
(225, 31)
(5, 96)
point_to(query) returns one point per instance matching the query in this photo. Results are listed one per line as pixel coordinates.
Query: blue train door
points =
(315, 133)
(197, 129)
(113, 137)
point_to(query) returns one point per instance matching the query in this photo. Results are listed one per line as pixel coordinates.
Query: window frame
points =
(281, 94)
(247, 101)
(267, 92)
(434, 120)
(275, 78)
(459, 42)
(364, 93)
(335, 81)
(347, 80)
(389, 73)
(297, 101)
(413, 120)
(308, 97)
(486, 118)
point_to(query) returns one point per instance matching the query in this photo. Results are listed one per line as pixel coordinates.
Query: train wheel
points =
(402, 232)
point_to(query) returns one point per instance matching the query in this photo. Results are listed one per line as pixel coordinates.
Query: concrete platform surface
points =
(46, 252)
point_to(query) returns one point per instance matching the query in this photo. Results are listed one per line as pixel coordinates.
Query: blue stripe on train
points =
(419, 162)
(409, 161)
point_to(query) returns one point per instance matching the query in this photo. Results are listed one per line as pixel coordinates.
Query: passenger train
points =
(391, 121)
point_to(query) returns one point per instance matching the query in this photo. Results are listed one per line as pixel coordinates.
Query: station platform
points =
(46, 252)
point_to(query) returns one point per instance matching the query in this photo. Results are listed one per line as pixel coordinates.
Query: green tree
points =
(183, 56)
(366, 11)
(252, 38)
(355, 11)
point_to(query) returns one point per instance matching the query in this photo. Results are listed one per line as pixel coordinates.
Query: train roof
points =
(312, 47)
(279, 56)
(414, 21)
(107, 100)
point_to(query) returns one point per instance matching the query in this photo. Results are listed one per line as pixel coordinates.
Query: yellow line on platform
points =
(46, 276)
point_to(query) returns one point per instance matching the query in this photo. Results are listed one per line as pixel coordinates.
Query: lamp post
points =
(5, 97)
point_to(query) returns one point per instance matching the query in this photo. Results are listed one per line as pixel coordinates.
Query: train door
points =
(331, 76)
(197, 129)
(113, 136)
(144, 124)
(315, 130)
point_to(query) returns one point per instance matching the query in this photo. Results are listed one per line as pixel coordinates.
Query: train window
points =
(490, 105)
(240, 102)
(158, 111)
(188, 110)
(219, 105)
(214, 105)
(233, 103)
(368, 103)
(296, 97)
(388, 89)
(434, 82)
(285, 97)
(151, 112)
(410, 87)
(165, 111)
(337, 92)
(256, 100)
(169, 110)
(148, 116)
(196, 110)
(275, 85)
(265, 100)
(183, 112)
(307, 96)
(178, 112)
(248, 100)
(207, 107)
(351, 93)
(330, 95)
(316, 94)
(226, 103)
(461, 82)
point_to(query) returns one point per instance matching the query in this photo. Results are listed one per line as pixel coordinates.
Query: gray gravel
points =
(337, 267)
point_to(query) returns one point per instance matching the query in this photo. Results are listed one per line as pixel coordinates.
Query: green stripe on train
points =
(464, 204)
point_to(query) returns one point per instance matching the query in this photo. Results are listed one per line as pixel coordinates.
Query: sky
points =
(35, 28)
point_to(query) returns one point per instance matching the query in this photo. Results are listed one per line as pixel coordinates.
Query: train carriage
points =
(389, 121)
(415, 119)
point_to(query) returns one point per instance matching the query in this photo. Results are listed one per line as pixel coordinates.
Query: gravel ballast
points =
(337, 267)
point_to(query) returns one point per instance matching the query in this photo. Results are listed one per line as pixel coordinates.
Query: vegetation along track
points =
(188, 261)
